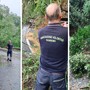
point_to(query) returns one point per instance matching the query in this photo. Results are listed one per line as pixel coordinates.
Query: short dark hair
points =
(54, 16)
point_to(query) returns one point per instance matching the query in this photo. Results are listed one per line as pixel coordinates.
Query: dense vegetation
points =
(80, 52)
(79, 13)
(80, 65)
(30, 67)
(80, 40)
(36, 8)
(9, 27)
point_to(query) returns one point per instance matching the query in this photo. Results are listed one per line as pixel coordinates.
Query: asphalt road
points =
(9, 71)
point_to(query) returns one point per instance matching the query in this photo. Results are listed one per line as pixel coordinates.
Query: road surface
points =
(9, 71)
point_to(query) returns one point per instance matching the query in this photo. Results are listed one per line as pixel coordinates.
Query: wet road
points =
(9, 71)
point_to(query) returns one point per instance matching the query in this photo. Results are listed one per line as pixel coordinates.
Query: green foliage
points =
(79, 40)
(79, 64)
(9, 27)
(89, 84)
(87, 45)
(35, 8)
(86, 10)
(79, 13)
(87, 67)
(30, 67)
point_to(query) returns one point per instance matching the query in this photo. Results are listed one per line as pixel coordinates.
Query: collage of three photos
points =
(45, 45)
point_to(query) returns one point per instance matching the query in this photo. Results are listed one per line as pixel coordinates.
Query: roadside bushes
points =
(30, 67)
(80, 64)
(79, 58)
(87, 67)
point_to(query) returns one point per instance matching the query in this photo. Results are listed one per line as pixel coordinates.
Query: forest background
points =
(9, 27)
